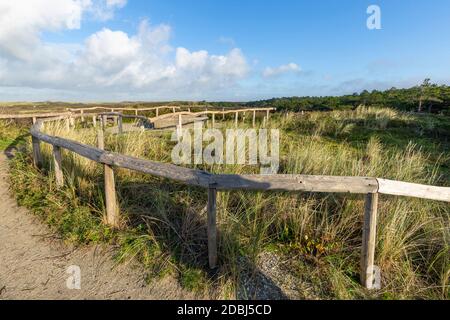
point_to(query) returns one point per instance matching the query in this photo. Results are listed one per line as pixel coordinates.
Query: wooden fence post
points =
(67, 124)
(368, 240)
(236, 119)
(268, 115)
(100, 139)
(213, 120)
(94, 121)
(112, 210)
(254, 118)
(120, 124)
(57, 161)
(136, 112)
(223, 113)
(82, 115)
(104, 122)
(157, 112)
(37, 156)
(212, 227)
(34, 120)
(173, 109)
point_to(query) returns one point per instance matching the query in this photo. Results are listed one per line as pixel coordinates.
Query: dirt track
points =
(33, 263)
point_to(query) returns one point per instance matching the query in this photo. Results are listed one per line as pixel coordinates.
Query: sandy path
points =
(33, 263)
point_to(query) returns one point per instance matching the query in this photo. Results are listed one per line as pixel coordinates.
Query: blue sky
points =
(218, 50)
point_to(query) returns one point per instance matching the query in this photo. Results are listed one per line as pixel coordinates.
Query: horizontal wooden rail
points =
(399, 188)
(211, 108)
(212, 112)
(164, 170)
(121, 108)
(126, 116)
(371, 187)
(34, 115)
(295, 182)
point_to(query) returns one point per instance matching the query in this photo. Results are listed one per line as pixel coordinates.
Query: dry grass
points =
(165, 221)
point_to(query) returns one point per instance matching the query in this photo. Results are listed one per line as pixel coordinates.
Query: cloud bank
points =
(107, 60)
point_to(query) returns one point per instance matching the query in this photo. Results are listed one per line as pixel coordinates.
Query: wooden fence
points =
(370, 187)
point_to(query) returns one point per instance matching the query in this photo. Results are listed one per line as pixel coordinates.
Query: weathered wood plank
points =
(112, 210)
(165, 170)
(212, 227)
(104, 122)
(33, 115)
(57, 163)
(291, 182)
(398, 188)
(369, 240)
(201, 113)
(37, 156)
(120, 124)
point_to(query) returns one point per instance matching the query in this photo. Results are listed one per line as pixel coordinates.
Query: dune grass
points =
(319, 235)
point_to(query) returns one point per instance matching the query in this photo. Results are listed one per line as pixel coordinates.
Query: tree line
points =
(426, 97)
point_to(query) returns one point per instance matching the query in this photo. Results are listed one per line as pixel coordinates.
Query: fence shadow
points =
(13, 147)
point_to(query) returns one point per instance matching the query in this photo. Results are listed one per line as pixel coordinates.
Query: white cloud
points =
(104, 9)
(286, 68)
(145, 62)
(108, 60)
(22, 21)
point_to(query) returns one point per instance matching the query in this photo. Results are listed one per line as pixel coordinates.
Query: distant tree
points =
(429, 94)
(423, 91)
